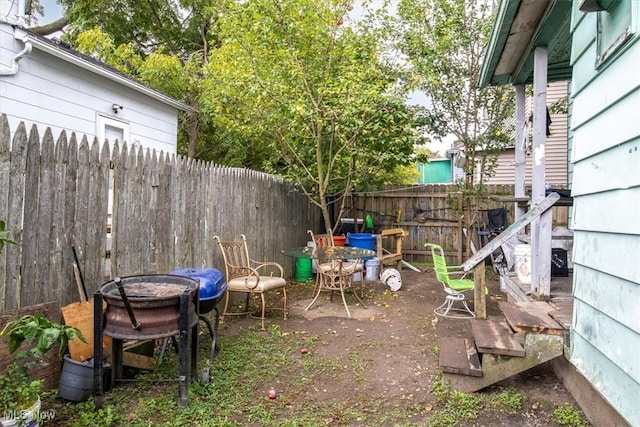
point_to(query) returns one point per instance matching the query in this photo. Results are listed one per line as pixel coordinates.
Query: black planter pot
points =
(76, 379)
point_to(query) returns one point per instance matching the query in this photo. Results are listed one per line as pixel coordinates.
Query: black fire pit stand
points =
(187, 349)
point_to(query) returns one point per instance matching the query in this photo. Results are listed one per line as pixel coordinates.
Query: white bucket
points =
(372, 269)
(314, 264)
(503, 284)
(391, 278)
(522, 255)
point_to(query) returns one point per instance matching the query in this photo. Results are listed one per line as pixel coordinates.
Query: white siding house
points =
(47, 84)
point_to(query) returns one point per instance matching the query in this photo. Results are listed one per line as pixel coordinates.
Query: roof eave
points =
(507, 10)
(520, 27)
(69, 57)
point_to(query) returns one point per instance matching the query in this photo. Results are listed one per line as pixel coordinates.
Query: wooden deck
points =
(561, 300)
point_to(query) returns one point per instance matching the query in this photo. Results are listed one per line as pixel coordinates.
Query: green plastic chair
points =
(454, 288)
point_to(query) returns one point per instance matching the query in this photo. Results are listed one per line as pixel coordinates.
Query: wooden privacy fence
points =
(427, 213)
(151, 212)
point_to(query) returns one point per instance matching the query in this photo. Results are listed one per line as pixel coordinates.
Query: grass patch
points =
(567, 415)
(247, 366)
(457, 407)
(509, 400)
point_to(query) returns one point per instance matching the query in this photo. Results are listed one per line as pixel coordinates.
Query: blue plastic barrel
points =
(362, 240)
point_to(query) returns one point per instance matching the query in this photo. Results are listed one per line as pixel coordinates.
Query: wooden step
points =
(459, 356)
(539, 348)
(495, 338)
(530, 317)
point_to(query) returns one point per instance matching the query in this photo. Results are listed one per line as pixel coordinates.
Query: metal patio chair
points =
(323, 266)
(454, 288)
(248, 276)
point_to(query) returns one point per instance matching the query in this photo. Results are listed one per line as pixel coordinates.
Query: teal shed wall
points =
(605, 183)
(437, 171)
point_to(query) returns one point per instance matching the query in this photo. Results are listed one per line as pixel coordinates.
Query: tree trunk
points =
(324, 208)
(192, 131)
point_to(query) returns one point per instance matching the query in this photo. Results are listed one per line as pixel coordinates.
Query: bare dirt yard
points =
(377, 368)
(391, 350)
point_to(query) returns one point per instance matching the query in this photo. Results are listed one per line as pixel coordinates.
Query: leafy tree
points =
(286, 86)
(291, 79)
(444, 41)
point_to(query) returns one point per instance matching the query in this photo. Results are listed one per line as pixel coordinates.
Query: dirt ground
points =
(396, 338)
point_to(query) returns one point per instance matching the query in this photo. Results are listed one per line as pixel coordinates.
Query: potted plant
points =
(19, 392)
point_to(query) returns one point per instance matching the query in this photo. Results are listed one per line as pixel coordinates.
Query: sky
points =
(52, 11)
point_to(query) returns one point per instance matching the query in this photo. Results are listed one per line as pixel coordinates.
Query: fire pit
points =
(146, 307)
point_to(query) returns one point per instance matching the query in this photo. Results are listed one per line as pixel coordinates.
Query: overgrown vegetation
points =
(294, 88)
(444, 41)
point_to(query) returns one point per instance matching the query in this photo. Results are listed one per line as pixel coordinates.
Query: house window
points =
(112, 129)
(615, 27)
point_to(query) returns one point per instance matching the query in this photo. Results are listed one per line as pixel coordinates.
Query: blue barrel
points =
(362, 240)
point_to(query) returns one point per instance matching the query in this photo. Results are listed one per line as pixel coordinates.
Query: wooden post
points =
(479, 297)
(541, 227)
(520, 154)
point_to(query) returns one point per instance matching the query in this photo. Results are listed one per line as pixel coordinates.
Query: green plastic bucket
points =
(304, 269)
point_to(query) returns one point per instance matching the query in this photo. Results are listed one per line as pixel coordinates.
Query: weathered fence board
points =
(128, 211)
(15, 203)
(31, 291)
(70, 171)
(427, 213)
(5, 173)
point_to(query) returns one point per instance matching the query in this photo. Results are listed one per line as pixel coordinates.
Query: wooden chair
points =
(248, 276)
(388, 257)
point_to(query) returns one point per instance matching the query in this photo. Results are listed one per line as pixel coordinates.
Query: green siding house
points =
(595, 44)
